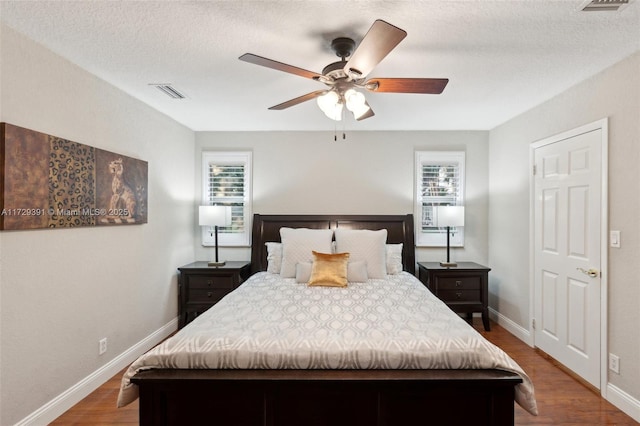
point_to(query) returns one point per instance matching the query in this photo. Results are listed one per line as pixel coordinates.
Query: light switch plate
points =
(614, 239)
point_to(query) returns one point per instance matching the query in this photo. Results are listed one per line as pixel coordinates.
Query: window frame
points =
(241, 239)
(438, 236)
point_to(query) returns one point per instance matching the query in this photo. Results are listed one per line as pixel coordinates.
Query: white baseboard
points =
(625, 402)
(616, 396)
(512, 327)
(67, 399)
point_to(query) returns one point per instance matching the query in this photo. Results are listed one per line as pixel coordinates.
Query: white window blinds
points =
(226, 188)
(439, 182)
(226, 178)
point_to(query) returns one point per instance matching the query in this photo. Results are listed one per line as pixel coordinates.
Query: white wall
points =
(367, 173)
(64, 289)
(614, 93)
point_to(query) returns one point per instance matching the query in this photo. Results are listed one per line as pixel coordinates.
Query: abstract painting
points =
(51, 182)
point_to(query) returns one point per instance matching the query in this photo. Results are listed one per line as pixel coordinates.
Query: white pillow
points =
(367, 245)
(356, 271)
(274, 257)
(394, 258)
(303, 272)
(297, 245)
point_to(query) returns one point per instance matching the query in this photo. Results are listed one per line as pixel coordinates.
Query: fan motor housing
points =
(343, 46)
(335, 70)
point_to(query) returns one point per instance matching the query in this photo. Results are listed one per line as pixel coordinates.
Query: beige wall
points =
(367, 173)
(62, 290)
(614, 93)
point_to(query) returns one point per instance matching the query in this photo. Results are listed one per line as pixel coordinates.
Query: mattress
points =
(271, 322)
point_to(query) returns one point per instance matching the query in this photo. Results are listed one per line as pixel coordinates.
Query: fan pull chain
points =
(335, 136)
(344, 118)
(335, 128)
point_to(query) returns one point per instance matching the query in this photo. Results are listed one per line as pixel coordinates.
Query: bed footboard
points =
(326, 397)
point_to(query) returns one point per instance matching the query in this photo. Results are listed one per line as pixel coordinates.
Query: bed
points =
(328, 359)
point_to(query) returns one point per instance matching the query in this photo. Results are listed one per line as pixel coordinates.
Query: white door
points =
(567, 258)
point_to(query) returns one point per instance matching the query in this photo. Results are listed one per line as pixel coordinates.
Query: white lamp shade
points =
(214, 215)
(449, 216)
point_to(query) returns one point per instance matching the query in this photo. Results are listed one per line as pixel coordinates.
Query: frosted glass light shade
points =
(330, 103)
(356, 103)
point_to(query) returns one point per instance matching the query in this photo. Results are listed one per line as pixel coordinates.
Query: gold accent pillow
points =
(329, 269)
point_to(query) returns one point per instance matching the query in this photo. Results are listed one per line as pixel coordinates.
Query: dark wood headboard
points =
(266, 228)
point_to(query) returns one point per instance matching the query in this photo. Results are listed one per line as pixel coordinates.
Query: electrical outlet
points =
(102, 346)
(614, 363)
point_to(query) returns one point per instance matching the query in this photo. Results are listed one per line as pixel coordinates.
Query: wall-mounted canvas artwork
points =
(50, 182)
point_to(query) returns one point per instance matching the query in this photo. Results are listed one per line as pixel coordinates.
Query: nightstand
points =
(464, 288)
(200, 286)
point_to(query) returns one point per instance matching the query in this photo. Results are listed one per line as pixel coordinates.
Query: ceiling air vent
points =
(604, 5)
(169, 90)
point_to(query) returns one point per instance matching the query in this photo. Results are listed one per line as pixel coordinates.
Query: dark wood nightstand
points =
(464, 288)
(200, 286)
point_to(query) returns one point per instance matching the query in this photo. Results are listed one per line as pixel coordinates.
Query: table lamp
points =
(215, 216)
(449, 216)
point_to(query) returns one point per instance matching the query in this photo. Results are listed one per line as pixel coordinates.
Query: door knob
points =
(592, 272)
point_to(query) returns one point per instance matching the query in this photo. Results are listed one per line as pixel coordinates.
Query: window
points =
(226, 180)
(439, 182)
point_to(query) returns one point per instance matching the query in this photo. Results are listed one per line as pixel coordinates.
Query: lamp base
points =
(214, 263)
(449, 264)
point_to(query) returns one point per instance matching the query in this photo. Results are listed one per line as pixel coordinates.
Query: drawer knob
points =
(458, 283)
(209, 294)
(459, 294)
(209, 283)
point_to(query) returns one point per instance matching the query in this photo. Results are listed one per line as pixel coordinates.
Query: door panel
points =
(578, 225)
(549, 304)
(578, 294)
(550, 220)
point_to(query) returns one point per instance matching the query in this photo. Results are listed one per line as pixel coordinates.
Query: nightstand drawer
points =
(211, 282)
(460, 295)
(205, 295)
(459, 283)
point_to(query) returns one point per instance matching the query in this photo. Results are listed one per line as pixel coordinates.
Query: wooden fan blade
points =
(298, 100)
(433, 86)
(381, 39)
(270, 63)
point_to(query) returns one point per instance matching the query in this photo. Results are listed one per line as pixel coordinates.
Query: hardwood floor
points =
(562, 400)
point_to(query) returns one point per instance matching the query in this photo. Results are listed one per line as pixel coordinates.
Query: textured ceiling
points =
(502, 57)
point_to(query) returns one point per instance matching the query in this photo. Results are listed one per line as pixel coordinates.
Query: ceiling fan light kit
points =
(345, 76)
(332, 103)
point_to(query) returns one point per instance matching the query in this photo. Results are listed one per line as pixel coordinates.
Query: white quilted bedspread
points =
(271, 322)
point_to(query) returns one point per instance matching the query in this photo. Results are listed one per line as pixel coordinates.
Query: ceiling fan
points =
(346, 77)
